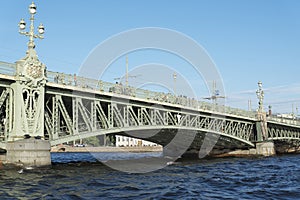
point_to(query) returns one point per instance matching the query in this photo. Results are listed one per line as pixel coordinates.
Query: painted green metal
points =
(27, 98)
(76, 107)
(96, 114)
(23, 120)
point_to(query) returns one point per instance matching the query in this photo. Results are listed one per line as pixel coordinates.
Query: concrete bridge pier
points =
(29, 152)
(265, 148)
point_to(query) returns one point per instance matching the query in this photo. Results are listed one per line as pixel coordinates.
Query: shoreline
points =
(144, 149)
(70, 149)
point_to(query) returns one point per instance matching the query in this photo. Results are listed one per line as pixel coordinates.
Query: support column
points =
(26, 143)
(266, 148)
(261, 127)
(263, 146)
(29, 152)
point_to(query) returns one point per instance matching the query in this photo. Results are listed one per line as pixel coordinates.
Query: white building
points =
(123, 141)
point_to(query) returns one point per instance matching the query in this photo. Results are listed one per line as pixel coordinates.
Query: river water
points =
(82, 176)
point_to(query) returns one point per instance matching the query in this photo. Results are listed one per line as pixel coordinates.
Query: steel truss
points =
(69, 116)
(76, 116)
(283, 132)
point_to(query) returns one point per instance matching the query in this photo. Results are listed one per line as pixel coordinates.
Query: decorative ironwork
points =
(30, 33)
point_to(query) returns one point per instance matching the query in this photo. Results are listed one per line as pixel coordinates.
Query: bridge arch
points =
(163, 135)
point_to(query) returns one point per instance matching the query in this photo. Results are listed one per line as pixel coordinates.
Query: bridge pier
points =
(266, 148)
(29, 152)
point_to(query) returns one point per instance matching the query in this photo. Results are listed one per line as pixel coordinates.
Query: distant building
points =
(123, 141)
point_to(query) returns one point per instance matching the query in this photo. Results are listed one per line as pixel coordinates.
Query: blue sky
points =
(249, 40)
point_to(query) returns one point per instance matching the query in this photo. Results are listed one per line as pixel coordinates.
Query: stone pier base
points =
(262, 149)
(265, 148)
(29, 152)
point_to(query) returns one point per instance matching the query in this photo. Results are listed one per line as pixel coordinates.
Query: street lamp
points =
(30, 33)
(41, 29)
(32, 8)
(22, 24)
(260, 96)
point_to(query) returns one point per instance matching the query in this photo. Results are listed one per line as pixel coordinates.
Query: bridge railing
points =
(285, 120)
(118, 88)
(7, 68)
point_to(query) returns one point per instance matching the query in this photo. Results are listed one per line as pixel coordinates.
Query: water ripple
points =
(81, 176)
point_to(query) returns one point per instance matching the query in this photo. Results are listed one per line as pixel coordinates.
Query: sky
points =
(248, 40)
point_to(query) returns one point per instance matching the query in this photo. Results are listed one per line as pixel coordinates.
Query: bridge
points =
(41, 108)
(67, 107)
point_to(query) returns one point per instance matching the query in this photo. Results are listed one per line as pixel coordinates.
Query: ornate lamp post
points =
(28, 109)
(261, 115)
(260, 96)
(31, 34)
(30, 67)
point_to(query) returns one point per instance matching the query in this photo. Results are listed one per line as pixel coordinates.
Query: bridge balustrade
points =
(7, 68)
(284, 120)
(117, 88)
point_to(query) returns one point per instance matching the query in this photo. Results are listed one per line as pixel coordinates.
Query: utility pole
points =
(215, 94)
(249, 105)
(127, 76)
(174, 77)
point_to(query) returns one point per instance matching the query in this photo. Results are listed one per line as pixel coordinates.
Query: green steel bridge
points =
(61, 107)
(40, 108)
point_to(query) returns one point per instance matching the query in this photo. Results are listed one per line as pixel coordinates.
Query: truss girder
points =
(101, 116)
(64, 112)
(96, 115)
(277, 132)
(86, 115)
(5, 115)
